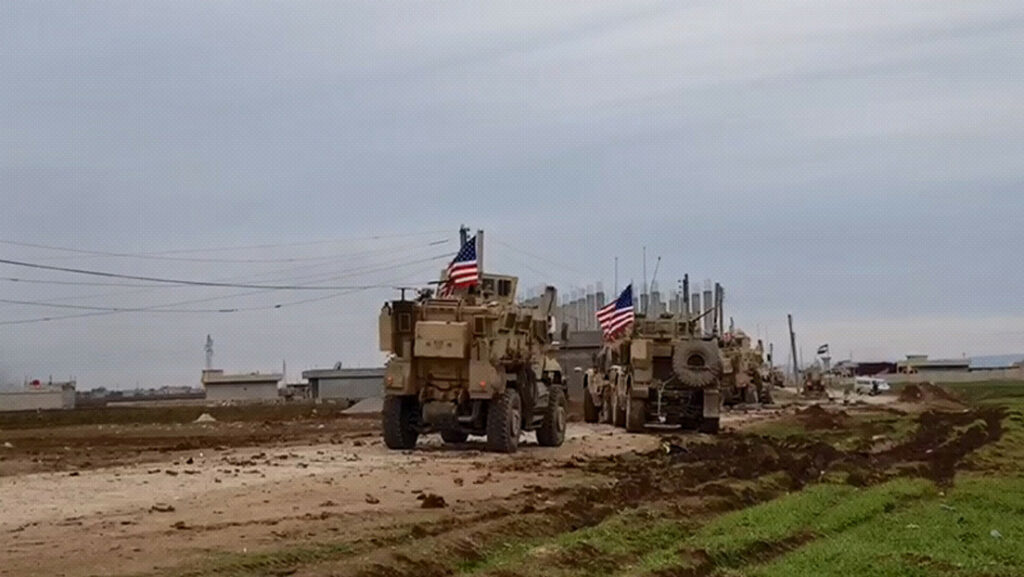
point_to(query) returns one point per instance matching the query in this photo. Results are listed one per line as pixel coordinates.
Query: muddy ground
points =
(318, 494)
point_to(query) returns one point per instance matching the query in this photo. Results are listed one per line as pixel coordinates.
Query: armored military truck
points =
(660, 373)
(744, 376)
(472, 363)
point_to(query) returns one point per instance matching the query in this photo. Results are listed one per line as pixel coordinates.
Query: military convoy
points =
(660, 373)
(746, 378)
(473, 362)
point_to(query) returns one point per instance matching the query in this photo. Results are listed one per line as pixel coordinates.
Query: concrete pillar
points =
(709, 317)
(695, 303)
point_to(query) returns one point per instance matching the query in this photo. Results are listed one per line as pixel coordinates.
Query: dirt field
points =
(303, 493)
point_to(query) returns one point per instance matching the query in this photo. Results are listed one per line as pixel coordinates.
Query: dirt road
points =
(266, 498)
(162, 513)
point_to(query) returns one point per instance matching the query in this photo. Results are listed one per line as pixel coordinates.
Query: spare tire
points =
(697, 364)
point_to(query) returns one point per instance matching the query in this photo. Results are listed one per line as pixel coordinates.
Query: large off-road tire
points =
(750, 394)
(765, 394)
(709, 426)
(504, 422)
(606, 416)
(697, 364)
(399, 419)
(618, 411)
(552, 429)
(454, 436)
(590, 410)
(636, 414)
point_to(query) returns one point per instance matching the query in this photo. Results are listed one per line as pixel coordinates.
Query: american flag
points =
(617, 315)
(463, 271)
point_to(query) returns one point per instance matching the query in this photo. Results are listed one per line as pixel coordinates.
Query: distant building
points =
(252, 387)
(37, 396)
(350, 385)
(922, 364)
(864, 369)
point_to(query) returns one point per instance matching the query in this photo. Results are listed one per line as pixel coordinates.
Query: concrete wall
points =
(1015, 374)
(36, 400)
(351, 388)
(223, 392)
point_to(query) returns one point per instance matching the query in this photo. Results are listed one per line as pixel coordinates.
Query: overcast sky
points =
(859, 164)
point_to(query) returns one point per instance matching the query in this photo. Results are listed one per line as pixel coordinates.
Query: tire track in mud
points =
(695, 478)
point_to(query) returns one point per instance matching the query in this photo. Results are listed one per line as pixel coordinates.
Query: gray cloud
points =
(853, 163)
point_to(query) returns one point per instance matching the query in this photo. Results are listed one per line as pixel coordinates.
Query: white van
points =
(871, 386)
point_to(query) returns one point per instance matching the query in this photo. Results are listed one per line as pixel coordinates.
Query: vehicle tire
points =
(636, 414)
(590, 411)
(454, 436)
(504, 422)
(618, 411)
(606, 408)
(399, 418)
(750, 394)
(697, 364)
(552, 429)
(709, 426)
(766, 394)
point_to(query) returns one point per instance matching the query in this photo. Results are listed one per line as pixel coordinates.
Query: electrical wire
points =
(164, 255)
(538, 257)
(147, 288)
(168, 280)
(234, 310)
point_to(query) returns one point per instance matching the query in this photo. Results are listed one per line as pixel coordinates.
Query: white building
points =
(37, 396)
(240, 387)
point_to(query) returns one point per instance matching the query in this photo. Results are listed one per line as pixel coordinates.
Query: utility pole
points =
(209, 352)
(792, 345)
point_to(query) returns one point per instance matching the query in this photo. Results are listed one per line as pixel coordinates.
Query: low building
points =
(922, 364)
(350, 385)
(37, 396)
(252, 387)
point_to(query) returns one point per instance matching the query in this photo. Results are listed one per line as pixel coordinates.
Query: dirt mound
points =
(817, 418)
(366, 406)
(927, 392)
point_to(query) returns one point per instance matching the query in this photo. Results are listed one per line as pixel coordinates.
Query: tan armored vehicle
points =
(472, 363)
(660, 373)
(744, 374)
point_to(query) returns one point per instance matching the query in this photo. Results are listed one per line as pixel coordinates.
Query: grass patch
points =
(600, 549)
(1003, 393)
(818, 510)
(935, 536)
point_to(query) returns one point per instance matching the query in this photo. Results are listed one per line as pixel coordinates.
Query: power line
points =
(77, 283)
(291, 279)
(163, 255)
(149, 256)
(114, 309)
(161, 308)
(538, 257)
(172, 281)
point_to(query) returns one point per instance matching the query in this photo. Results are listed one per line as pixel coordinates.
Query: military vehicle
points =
(472, 363)
(744, 379)
(660, 373)
(815, 383)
